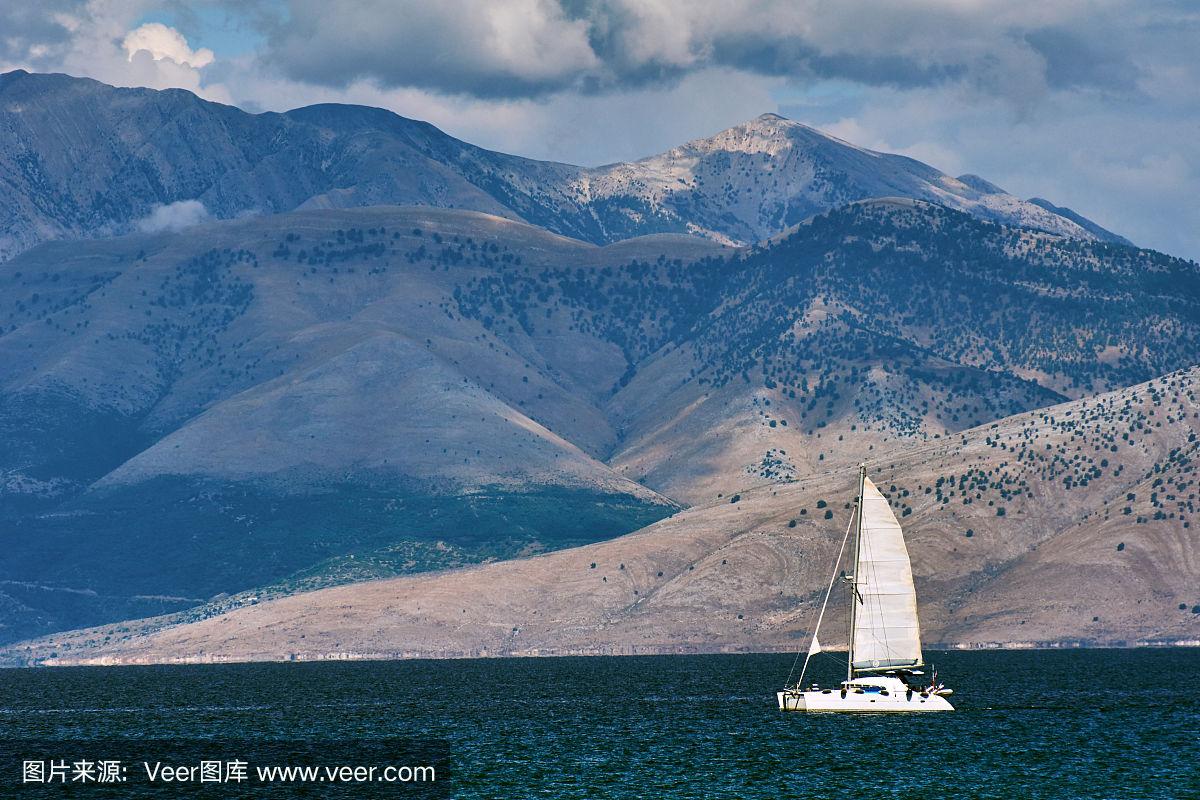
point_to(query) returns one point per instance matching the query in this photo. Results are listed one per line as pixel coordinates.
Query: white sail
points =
(886, 631)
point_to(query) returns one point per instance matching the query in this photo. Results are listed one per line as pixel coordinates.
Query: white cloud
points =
(162, 42)
(174, 216)
(90, 39)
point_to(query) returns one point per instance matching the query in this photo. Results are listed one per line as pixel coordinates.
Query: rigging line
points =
(824, 603)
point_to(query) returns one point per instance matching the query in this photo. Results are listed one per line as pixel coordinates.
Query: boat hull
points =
(834, 700)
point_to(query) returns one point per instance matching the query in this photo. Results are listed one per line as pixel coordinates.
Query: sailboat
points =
(884, 655)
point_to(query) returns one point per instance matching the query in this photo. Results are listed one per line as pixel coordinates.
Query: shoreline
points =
(616, 652)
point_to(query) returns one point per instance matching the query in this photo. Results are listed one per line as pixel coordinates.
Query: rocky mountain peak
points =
(768, 134)
(979, 184)
(144, 149)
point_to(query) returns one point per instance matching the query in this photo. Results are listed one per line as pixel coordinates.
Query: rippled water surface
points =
(1063, 724)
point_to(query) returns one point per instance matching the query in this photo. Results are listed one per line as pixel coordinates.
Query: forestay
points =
(886, 631)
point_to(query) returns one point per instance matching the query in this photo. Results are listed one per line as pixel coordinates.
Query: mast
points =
(862, 480)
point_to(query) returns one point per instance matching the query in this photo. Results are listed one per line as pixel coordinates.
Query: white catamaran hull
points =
(836, 700)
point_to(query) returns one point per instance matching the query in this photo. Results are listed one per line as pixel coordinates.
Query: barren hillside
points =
(357, 393)
(196, 413)
(1070, 524)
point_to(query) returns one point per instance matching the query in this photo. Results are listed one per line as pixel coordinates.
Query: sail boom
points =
(858, 669)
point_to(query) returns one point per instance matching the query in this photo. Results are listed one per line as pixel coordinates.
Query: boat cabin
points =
(891, 683)
(882, 684)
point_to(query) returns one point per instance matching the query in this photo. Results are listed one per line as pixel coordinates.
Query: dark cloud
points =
(511, 48)
(531, 48)
(31, 33)
(1074, 61)
(743, 38)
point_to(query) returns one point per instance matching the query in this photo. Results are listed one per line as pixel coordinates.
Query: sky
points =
(1093, 105)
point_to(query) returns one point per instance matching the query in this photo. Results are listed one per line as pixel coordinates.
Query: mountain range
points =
(381, 351)
(1050, 528)
(82, 159)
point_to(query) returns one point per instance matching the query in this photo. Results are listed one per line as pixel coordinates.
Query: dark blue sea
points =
(1058, 724)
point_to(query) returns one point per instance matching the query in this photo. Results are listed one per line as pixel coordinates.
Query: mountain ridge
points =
(419, 355)
(84, 159)
(330, 393)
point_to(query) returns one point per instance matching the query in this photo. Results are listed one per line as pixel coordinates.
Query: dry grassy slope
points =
(1131, 561)
(179, 385)
(695, 442)
(627, 364)
(884, 321)
(367, 408)
(736, 575)
(379, 348)
(219, 378)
